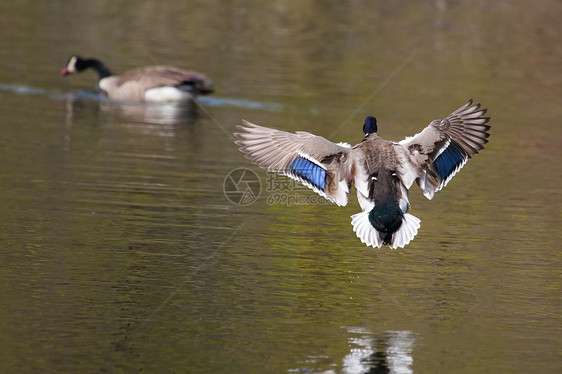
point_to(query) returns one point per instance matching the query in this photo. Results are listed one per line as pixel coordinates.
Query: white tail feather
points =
(370, 236)
(406, 232)
(364, 230)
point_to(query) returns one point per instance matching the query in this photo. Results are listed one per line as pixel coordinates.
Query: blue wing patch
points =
(309, 172)
(450, 160)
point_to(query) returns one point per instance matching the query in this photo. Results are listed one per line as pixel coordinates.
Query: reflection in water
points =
(391, 353)
(21, 89)
(246, 104)
(167, 113)
(171, 113)
(388, 354)
(156, 113)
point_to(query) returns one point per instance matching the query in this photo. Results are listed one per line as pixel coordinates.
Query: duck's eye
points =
(374, 178)
(394, 174)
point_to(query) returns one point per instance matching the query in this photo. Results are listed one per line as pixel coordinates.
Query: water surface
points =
(122, 253)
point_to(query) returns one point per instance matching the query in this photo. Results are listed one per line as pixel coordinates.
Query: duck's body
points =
(151, 83)
(381, 193)
(381, 170)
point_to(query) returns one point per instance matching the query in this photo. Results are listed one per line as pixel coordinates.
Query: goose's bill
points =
(64, 72)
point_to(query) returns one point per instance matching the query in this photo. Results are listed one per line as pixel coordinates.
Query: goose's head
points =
(370, 125)
(73, 65)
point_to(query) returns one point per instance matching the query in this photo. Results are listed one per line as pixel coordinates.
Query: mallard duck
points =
(151, 83)
(382, 170)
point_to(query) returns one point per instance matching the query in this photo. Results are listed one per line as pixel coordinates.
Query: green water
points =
(121, 253)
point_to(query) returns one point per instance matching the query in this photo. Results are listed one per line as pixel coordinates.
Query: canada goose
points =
(381, 170)
(151, 83)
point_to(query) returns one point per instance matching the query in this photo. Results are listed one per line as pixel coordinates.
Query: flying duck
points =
(151, 83)
(382, 170)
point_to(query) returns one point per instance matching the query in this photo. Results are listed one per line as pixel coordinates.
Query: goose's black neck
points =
(97, 65)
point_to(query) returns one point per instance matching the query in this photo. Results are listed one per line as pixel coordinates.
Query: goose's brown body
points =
(149, 83)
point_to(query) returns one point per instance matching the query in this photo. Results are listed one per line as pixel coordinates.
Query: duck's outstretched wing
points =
(443, 147)
(313, 160)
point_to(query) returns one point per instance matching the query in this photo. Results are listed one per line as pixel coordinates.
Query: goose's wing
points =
(442, 148)
(158, 76)
(313, 160)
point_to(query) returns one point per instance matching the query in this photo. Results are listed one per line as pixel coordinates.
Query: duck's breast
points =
(370, 157)
(378, 174)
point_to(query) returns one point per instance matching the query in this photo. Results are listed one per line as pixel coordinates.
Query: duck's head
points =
(370, 125)
(73, 65)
